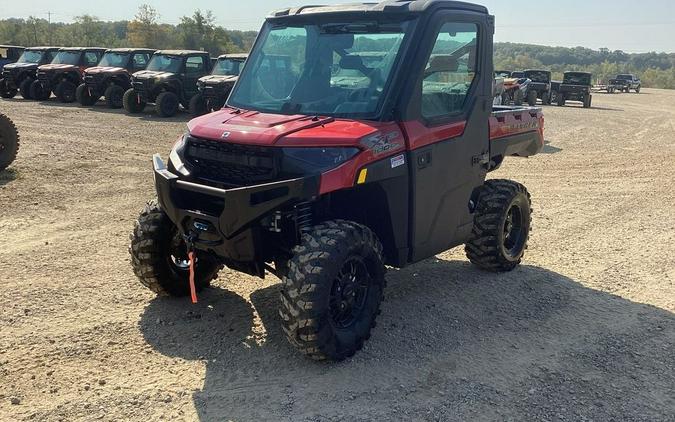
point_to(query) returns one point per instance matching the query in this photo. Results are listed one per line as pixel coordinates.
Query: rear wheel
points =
(65, 91)
(9, 142)
(518, 97)
(501, 226)
(587, 101)
(546, 98)
(84, 96)
(39, 92)
(198, 105)
(637, 90)
(132, 102)
(561, 99)
(159, 256)
(5, 91)
(166, 104)
(332, 292)
(532, 98)
(24, 88)
(114, 96)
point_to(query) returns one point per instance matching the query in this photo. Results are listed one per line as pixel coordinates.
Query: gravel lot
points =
(584, 330)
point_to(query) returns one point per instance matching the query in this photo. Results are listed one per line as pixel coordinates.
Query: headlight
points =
(175, 157)
(314, 160)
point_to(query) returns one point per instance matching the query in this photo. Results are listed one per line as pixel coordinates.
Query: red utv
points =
(19, 76)
(323, 181)
(112, 76)
(63, 75)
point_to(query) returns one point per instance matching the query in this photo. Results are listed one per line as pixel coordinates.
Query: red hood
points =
(254, 128)
(57, 67)
(105, 69)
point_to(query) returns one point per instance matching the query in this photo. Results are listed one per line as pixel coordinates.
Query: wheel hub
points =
(349, 293)
(514, 231)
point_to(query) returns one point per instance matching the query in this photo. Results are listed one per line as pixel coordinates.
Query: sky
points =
(632, 26)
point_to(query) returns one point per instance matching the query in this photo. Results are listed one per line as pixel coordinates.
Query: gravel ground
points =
(584, 330)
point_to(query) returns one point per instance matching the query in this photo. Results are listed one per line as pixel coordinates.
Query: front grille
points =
(43, 76)
(232, 164)
(93, 80)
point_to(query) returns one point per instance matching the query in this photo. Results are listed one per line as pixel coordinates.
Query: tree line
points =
(200, 32)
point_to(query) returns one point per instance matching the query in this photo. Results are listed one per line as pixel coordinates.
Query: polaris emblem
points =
(225, 135)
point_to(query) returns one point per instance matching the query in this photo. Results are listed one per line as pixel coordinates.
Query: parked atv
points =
(214, 88)
(19, 76)
(111, 78)
(64, 74)
(8, 54)
(516, 91)
(9, 142)
(169, 80)
(539, 87)
(324, 185)
(575, 86)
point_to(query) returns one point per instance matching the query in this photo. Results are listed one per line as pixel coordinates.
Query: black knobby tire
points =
(501, 226)
(84, 96)
(637, 90)
(159, 257)
(532, 98)
(198, 106)
(114, 96)
(561, 99)
(587, 101)
(332, 292)
(39, 92)
(546, 98)
(65, 91)
(518, 97)
(6, 92)
(131, 102)
(166, 104)
(9, 142)
(24, 88)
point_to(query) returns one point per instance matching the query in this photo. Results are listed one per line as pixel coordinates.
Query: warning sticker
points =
(399, 160)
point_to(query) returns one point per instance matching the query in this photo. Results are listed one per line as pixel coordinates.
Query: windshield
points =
(577, 78)
(624, 77)
(115, 59)
(165, 63)
(517, 75)
(30, 56)
(329, 69)
(67, 57)
(227, 67)
(538, 76)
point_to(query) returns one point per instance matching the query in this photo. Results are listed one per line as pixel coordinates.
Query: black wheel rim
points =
(514, 231)
(349, 293)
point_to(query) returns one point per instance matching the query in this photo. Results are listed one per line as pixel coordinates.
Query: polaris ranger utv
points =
(575, 86)
(112, 76)
(9, 142)
(8, 54)
(214, 88)
(20, 75)
(64, 74)
(539, 87)
(169, 79)
(324, 185)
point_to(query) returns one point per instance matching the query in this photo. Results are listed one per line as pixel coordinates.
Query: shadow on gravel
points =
(8, 175)
(452, 343)
(550, 149)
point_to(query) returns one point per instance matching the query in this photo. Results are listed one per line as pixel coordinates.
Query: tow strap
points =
(193, 290)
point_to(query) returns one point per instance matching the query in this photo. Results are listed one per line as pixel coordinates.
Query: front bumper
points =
(224, 219)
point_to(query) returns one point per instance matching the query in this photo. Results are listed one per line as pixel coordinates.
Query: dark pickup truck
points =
(624, 83)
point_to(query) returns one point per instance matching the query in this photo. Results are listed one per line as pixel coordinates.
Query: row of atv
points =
(124, 77)
(531, 85)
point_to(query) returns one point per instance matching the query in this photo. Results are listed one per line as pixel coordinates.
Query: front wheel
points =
(39, 92)
(561, 100)
(332, 291)
(5, 91)
(132, 102)
(9, 142)
(637, 90)
(24, 88)
(587, 100)
(546, 98)
(159, 256)
(65, 92)
(518, 97)
(84, 97)
(114, 96)
(198, 105)
(532, 98)
(166, 104)
(501, 226)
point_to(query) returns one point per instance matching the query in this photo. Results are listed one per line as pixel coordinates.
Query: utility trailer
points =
(323, 184)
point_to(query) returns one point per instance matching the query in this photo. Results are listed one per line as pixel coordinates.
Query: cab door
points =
(447, 130)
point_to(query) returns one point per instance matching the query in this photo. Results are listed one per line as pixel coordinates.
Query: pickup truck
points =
(624, 83)
(322, 183)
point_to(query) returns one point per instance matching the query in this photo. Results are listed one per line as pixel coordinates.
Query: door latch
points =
(482, 159)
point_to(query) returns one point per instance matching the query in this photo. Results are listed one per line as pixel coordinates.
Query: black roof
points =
(82, 49)
(537, 70)
(181, 52)
(388, 6)
(44, 48)
(131, 50)
(578, 73)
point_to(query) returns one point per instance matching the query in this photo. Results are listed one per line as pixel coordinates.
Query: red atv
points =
(63, 75)
(323, 182)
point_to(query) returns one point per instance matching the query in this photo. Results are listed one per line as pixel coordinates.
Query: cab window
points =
(90, 58)
(195, 64)
(140, 61)
(450, 70)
